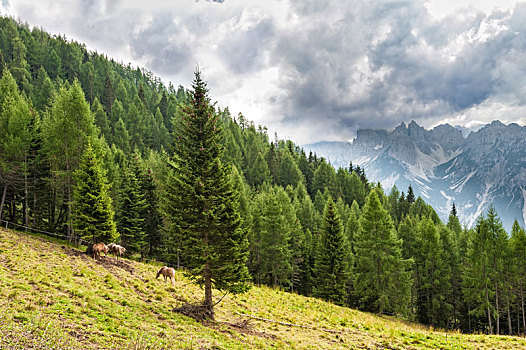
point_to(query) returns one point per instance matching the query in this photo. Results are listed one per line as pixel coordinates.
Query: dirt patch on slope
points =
(108, 262)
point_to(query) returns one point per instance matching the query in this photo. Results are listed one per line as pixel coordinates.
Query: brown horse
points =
(99, 248)
(167, 272)
(117, 250)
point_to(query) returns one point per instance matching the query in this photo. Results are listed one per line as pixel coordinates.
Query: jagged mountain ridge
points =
(488, 167)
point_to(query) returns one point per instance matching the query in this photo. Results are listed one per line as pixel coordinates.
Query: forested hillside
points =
(313, 230)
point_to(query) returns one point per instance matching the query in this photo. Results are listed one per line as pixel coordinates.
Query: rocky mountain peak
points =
(488, 167)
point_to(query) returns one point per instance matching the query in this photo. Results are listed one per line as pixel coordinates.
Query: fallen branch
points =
(288, 324)
(224, 295)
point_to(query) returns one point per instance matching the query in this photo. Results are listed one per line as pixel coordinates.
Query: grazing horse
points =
(117, 250)
(167, 272)
(99, 248)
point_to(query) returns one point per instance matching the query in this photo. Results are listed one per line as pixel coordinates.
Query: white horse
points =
(117, 250)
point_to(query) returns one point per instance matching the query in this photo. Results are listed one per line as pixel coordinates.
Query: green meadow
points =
(53, 296)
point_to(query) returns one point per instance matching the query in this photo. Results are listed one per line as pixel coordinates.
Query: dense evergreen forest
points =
(83, 136)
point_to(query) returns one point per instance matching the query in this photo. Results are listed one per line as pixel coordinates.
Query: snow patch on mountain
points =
(460, 185)
(390, 181)
(483, 199)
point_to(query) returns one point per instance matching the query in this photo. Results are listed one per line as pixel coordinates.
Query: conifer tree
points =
(410, 195)
(43, 91)
(66, 131)
(477, 286)
(407, 232)
(149, 212)
(453, 223)
(19, 67)
(353, 225)
(433, 276)
(92, 207)
(325, 178)
(394, 210)
(201, 201)
(288, 171)
(53, 64)
(121, 137)
(15, 134)
(518, 254)
(331, 267)
(295, 236)
(270, 250)
(101, 120)
(130, 221)
(382, 279)
(109, 94)
(452, 260)
(499, 252)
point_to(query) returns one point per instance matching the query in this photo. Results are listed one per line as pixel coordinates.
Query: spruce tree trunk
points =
(497, 308)
(518, 320)
(522, 309)
(208, 280)
(35, 211)
(488, 309)
(209, 305)
(469, 317)
(178, 260)
(510, 330)
(26, 201)
(68, 217)
(4, 193)
(489, 321)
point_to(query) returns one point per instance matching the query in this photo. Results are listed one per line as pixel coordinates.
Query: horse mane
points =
(160, 271)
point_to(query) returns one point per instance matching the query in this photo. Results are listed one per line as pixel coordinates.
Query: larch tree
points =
(92, 205)
(499, 253)
(66, 130)
(478, 275)
(433, 278)
(201, 201)
(16, 134)
(518, 254)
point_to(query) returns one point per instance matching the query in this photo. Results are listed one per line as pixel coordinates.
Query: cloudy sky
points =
(316, 70)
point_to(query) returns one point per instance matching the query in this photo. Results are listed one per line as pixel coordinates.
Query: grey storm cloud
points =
(243, 51)
(355, 63)
(157, 42)
(420, 81)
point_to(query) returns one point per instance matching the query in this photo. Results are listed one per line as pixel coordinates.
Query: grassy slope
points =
(52, 296)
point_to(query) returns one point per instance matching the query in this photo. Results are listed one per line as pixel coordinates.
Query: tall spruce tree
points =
(331, 268)
(382, 279)
(152, 218)
(92, 207)
(201, 201)
(130, 221)
(410, 195)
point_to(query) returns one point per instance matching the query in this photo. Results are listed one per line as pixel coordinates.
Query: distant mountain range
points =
(486, 167)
